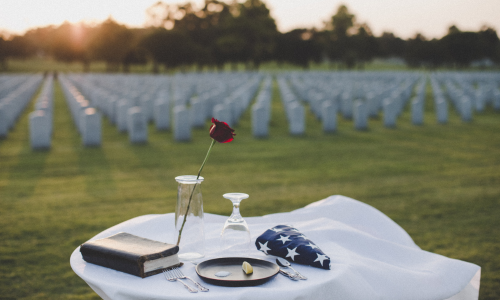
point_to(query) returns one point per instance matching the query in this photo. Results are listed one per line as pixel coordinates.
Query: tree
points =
(299, 47)
(20, 47)
(259, 30)
(416, 51)
(110, 42)
(220, 32)
(349, 42)
(68, 43)
(390, 46)
(490, 44)
(461, 47)
(203, 26)
(364, 44)
(338, 41)
(172, 48)
(342, 22)
(3, 53)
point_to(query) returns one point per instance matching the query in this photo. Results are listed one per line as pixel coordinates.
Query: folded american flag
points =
(287, 242)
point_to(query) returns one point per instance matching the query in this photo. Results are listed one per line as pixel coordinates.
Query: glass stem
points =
(236, 212)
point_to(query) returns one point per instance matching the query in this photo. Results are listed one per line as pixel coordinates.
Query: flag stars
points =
(321, 258)
(277, 230)
(264, 248)
(292, 253)
(312, 246)
(284, 239)
(302, 237)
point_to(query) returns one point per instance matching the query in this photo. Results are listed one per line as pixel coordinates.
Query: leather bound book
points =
(131, 254)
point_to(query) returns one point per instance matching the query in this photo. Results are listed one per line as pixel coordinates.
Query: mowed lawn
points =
(441, 183)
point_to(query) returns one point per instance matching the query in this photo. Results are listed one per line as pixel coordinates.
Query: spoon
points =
(286, 264)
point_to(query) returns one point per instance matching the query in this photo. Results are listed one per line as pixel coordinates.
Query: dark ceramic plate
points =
(262, 271)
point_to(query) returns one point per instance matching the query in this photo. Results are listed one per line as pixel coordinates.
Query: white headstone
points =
(39, 123)
(121, 116)
(91, 127)
(329, 116)
(373, 106)
(197, 114)
(297, 119)
(162, 115)
(82, 106)
(442, 111)
(480, 100)
(4, 126)
(182, 124)
(417, 111)
(232, 107)
(147, 106)
(222, 113)
(137, 125)
(466, 109)
(360, 114)
(112, 107)
(390, 113)
(346, 105)
(496, 100)
(259, 122)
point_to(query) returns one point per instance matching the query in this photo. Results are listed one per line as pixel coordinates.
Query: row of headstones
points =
(132, 117)
(294, 109)
(354, 105)
(358, 104)
(132, 86)
(468, 100)
(13, 104)
(129, 114)
(9, 83)
(362, 93)
(85, 117)
(486, 92)
(261, 109)
(439, 101)
(227, 109)
(40, 120)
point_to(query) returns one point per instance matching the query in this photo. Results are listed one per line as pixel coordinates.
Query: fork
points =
(178, 273)
(171, 277)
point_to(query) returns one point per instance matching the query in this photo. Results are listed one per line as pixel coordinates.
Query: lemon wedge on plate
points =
(247, 268)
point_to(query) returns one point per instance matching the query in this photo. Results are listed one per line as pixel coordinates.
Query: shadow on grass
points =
(26, 172)
(99, 181)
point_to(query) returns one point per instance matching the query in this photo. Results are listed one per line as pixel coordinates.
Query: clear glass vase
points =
(189, 218)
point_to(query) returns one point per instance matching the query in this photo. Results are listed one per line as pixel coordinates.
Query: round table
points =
(371, 258)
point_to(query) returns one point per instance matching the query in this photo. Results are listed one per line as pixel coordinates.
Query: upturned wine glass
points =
(235, 236)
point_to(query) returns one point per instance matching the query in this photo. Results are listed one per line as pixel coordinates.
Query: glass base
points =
(190, 256)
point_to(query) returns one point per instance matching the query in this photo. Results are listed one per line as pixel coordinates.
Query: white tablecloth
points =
(372, 258)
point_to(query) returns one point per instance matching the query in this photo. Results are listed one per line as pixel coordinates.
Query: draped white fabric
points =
(371, 258)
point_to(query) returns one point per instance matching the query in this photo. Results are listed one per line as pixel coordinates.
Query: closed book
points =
(131, 254)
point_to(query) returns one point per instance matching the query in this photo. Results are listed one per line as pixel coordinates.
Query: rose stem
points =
(192, 192)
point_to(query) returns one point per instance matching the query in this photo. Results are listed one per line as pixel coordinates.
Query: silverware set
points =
(176, 274)
(285, 264)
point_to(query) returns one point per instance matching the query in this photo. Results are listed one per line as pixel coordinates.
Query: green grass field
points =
(48, 65)
(441, 183)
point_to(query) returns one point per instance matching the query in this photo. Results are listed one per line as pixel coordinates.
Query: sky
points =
(404, 18)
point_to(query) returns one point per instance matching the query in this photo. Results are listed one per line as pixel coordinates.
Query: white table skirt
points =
(371, 257)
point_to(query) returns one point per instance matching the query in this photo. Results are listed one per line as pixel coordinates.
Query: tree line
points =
(220, 33)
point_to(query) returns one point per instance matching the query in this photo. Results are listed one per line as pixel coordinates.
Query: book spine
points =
(112, 261)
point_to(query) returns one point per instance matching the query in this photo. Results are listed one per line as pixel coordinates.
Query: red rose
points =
(221, 132)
